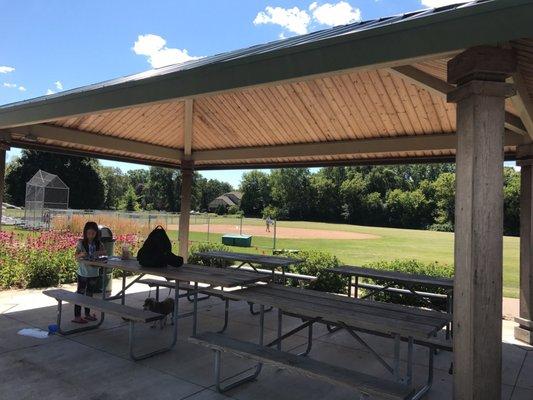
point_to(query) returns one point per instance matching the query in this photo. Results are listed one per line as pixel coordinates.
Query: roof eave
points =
(436, 34)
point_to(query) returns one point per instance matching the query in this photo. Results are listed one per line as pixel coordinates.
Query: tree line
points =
(404, 196)
(94, 186)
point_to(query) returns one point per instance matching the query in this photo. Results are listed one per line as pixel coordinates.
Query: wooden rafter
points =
(187, 126)
(77, 137)
(523, 103)
(441, 88)
(345, 147)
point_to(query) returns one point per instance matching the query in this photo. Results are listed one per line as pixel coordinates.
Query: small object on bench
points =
(366, 384)
(132, 315)
(230, 239)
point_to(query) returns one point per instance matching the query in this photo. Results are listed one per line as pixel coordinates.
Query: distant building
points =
(226, 200)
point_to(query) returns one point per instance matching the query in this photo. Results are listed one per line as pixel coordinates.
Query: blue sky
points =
(56, 45)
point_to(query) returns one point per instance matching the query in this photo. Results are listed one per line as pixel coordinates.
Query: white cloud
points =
(341, 13)
(58, 85)
(5, 69)
(159, 55)
(438, 3)
(292, 19)
(10, 85)
(22, 88)
(49, 91)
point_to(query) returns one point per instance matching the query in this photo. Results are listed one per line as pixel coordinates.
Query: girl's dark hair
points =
(91, 225)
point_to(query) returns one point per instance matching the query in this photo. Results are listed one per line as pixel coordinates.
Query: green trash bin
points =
(106, 236)
(237, 240)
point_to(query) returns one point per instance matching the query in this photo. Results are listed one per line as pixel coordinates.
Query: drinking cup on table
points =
(126, 252)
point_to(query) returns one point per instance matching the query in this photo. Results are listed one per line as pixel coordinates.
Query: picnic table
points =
(408, 281)
(402, 323)
(251, 260)
(214, 277)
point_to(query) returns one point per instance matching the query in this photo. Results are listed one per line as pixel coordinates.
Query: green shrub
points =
(446, 227)
(316, 263)
(411, 267)
(204, 246)
(232, 210)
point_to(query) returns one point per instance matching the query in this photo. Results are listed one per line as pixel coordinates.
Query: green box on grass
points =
(237, 240)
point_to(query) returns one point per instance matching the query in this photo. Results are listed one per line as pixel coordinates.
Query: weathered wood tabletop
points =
(375, 316)
(265, 260)
(186, 273)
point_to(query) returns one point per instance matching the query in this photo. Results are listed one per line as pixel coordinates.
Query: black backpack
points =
(156, 251)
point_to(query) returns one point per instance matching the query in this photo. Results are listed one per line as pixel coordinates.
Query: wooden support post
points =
(480, 75)
(524, 331)
(2, 179)
(185, 211)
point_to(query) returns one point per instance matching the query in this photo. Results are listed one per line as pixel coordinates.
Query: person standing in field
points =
(87, 248)
(269, 222)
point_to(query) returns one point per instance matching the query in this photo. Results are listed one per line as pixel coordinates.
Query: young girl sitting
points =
(88, 247)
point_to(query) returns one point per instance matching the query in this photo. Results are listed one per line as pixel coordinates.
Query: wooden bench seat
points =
(369, 385)
(131, 314)
(108, 307)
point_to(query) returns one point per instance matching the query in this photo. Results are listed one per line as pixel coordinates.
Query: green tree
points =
(255, 188)
(129, 201)
(291, 192)
(354, 191)
(80, 174)
(116, 184)
(445, 198)
(407, 209)
(162, 192)
(511, 202)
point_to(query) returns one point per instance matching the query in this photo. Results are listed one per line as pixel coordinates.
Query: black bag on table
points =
(156, 251)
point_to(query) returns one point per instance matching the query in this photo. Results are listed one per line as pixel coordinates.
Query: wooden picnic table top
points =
(187, 272)
(260, 259)
(384, 318)
(396, 276)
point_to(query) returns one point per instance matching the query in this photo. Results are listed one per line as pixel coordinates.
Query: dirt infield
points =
(281, 232)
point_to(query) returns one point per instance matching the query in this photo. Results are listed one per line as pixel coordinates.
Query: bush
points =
(412, 267)
(446, 227)
(316, 264)
(232, 210)
(215, 262)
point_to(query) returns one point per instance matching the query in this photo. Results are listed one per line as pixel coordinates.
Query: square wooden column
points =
(524, 331)
(185, 211)
(2, 178)
(480, 75)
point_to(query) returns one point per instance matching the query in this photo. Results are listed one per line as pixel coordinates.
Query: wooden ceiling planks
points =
(358, 105)
(160, 124)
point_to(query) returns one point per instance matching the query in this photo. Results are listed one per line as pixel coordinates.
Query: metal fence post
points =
(240, 229)
(208, 226)
(274, 240)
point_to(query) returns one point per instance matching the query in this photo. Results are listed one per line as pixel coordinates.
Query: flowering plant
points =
(41, 259)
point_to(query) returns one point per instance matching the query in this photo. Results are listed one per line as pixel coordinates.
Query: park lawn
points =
(427, 246)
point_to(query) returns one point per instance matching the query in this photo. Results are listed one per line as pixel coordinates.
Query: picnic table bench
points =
(185, 274)
(399, 322)
(132, 315)
(355, 380)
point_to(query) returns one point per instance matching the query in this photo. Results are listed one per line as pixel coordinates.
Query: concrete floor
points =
(95, 365)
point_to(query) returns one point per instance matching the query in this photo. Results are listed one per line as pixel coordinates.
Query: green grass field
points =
(393, 244)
